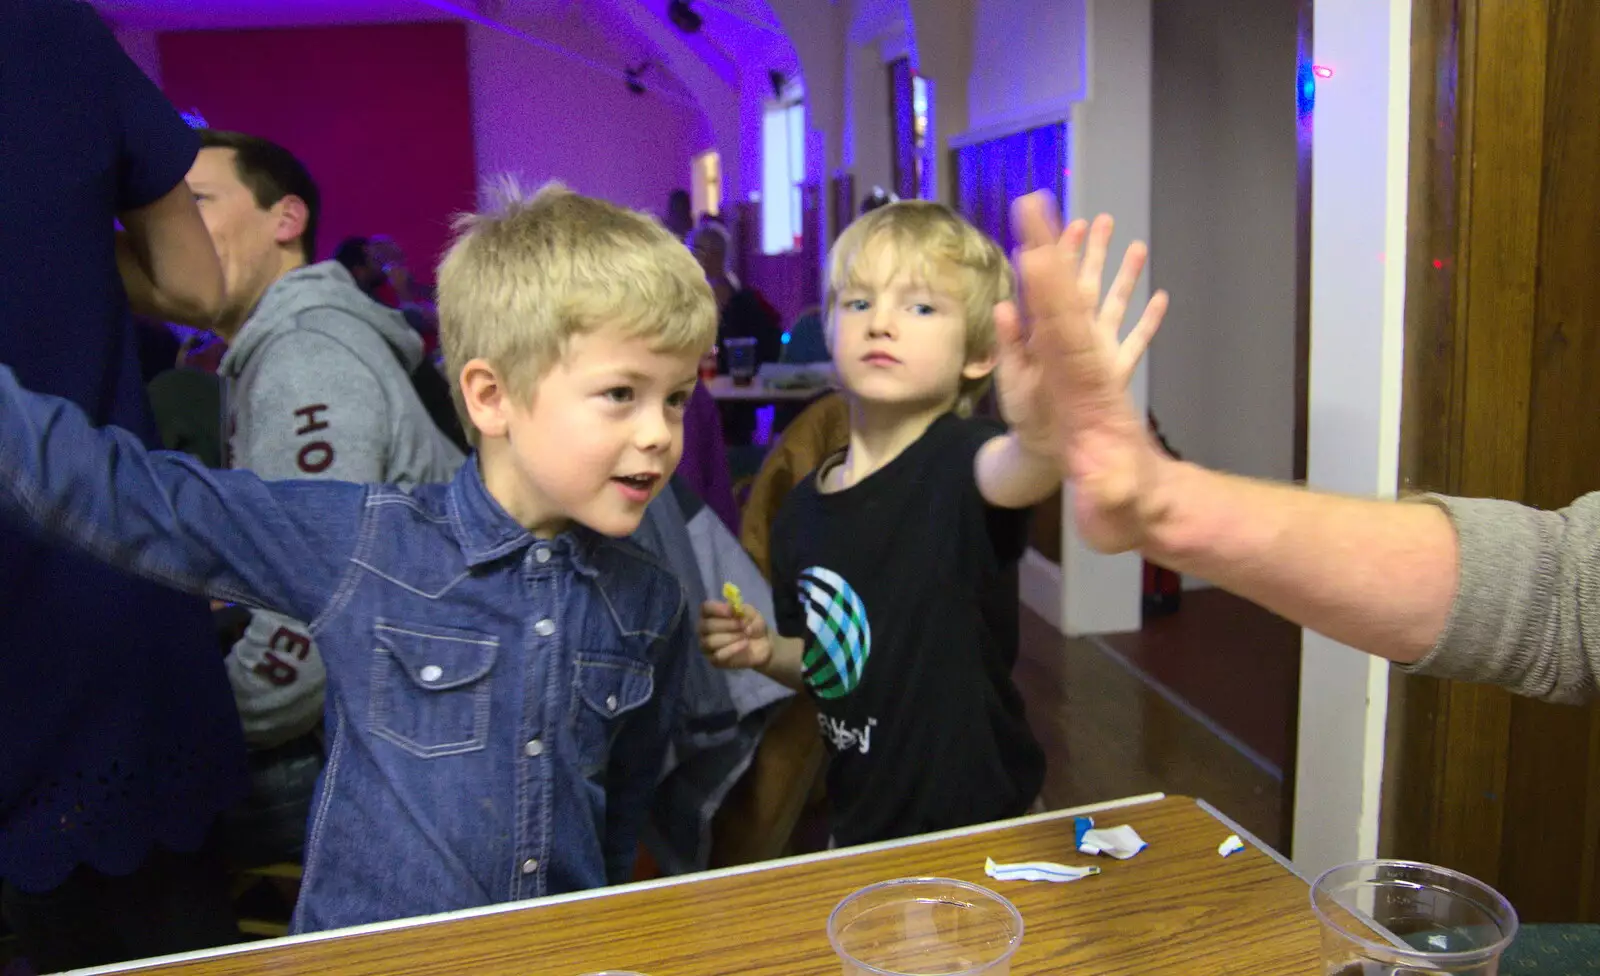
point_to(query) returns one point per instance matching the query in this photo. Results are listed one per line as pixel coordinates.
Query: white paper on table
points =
(1119, 842)
(1232, 845)
(1035, 871)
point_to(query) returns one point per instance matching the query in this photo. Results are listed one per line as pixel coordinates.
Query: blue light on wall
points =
(1306, 89)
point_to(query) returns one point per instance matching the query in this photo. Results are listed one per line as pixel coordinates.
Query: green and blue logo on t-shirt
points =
(842, 639)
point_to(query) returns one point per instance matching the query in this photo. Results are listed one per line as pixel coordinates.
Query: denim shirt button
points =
(534, 747)
(545, 627)
(529, 866)
(431, 673)
(541, 555)
(611, 703)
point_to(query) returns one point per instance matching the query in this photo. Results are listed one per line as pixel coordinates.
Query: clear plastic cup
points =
(925, 927)
(741, 359)
(1399, 918)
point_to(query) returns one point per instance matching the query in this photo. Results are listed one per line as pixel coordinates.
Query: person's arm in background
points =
(1491, 591)
(640, 750)
(168, 264)
(315, 412)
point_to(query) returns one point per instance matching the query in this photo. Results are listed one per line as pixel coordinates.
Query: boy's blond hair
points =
(522, 279)
(934, 244)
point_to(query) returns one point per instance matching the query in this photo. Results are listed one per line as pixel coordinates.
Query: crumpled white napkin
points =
(1035, 871)
(1119, 842)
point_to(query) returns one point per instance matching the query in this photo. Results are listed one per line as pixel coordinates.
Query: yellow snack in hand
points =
(731, 594)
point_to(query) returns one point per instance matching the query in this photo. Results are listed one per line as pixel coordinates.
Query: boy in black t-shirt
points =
(894, 566)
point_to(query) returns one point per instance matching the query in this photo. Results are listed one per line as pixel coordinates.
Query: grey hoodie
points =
(318, 386)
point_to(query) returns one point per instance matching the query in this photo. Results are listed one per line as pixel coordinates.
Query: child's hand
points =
(1025, 398)
(734, 640)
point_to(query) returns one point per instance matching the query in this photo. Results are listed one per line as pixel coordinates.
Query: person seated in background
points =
(504, 668)
(743, 311)
(379, 268)
(894, 565)
(679, 217)
(724, 713)
(319, 388)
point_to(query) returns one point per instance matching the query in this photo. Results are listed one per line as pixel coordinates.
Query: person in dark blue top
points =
(119, 742)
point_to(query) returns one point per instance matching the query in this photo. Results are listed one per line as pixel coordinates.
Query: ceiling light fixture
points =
(633, 75)
(683, 16)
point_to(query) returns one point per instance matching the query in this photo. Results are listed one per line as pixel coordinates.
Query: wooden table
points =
(1175, 908)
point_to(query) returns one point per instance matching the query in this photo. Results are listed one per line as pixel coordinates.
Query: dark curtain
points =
(990, 175)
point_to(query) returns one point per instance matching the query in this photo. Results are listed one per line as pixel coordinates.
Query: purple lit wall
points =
(543, 116)
(380, 114)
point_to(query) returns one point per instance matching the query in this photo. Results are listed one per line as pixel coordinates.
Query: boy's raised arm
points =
(223, 534)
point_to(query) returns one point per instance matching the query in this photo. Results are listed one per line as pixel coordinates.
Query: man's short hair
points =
(271, 173)
(523, 279)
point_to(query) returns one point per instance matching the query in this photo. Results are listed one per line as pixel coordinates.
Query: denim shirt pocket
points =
(430, 688)
(606, 688)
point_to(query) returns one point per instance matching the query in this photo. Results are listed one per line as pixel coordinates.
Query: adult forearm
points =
(168, 263)
(1376, 575)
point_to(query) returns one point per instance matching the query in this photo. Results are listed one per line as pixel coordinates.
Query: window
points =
(783, 170)
(921, 115)
(705, 191)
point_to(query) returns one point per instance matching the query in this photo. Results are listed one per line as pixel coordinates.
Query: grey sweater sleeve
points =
(315, 412)
(1527, 609)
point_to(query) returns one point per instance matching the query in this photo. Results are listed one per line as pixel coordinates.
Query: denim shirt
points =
(498, 705)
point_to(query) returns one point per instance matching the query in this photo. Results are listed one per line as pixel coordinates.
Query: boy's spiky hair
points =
(933, 243)
(532, 271)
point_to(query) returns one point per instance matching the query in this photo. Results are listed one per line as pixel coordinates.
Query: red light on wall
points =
(1437, 264)
(1321, 72)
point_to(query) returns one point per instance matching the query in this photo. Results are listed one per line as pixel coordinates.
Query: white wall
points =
(1111, 156)
(1357, 305)
(544, 116)
(1028, 62)
(869, 126)
(1223, 231)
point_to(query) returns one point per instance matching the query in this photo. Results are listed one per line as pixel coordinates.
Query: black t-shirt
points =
(904, 589)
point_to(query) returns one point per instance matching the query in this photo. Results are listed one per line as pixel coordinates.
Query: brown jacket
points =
(823, 428)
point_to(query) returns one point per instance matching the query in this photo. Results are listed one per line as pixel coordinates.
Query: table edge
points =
(373, 928)
(1253, 840)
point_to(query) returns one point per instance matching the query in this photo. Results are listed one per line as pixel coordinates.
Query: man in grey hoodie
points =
(318, 386)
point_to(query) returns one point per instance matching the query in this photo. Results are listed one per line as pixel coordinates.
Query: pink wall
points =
(543, 116)
(380, 115)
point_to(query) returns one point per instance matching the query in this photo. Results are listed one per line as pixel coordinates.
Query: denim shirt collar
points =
(487, 532)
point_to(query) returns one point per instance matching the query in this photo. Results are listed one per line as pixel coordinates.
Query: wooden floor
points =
(1233, 661)
(1108, 734)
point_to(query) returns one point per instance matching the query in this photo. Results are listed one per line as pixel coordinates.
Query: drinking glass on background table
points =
(925, 927)
(741, 359)
(1405, 918)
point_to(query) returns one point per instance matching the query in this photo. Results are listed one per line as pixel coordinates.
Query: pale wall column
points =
(942, 34)
(1357, 327)
(1110, 174)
